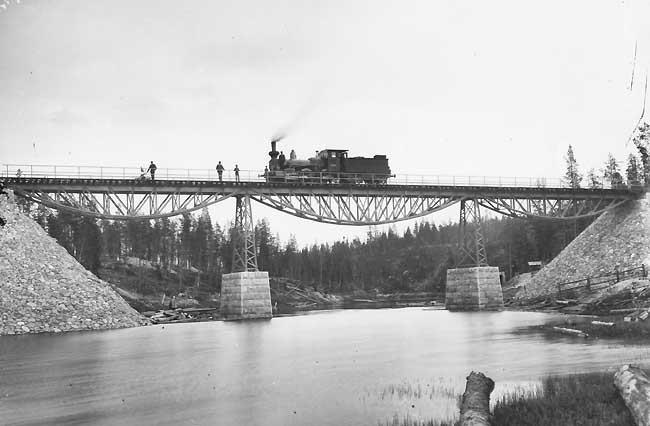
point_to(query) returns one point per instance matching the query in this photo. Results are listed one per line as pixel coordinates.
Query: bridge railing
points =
(107, 172)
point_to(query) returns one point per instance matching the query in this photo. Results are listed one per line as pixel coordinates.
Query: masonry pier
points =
(246, 292)
(474, 289)
(245, 295)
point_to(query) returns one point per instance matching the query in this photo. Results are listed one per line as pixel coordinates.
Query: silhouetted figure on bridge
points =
(236, 173)
(292, 155)
(152, 169)
(281, 160)
(3, 222)
(220, 171)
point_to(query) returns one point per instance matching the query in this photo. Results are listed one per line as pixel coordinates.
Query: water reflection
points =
(358, 367)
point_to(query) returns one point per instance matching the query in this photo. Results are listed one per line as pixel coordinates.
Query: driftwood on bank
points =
(475, 406)
(571, 331)
(607, 323)
(634, 386)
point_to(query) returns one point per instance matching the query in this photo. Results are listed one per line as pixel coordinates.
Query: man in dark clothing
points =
(220, 171)
(152, 170)
(236, 173)
(3, 222)
(281, 160)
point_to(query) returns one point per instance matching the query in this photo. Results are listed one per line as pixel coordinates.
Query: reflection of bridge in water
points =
(121, 194)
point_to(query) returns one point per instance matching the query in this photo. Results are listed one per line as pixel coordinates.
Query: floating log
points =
(609, 324)
(571, 331)
(475, 406)
(634, 386)
(622, 310)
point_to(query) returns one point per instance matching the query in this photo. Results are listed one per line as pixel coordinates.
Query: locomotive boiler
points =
(327, 166)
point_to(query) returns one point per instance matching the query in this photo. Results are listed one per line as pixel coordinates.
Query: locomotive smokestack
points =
(274, 152)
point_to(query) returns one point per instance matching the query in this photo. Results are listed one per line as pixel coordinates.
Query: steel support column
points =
(471, 247)
(244, 257)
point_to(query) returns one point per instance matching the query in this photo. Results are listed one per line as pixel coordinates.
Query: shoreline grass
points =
(588, 399)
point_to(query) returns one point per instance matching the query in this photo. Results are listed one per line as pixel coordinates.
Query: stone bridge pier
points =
(245, 293)
(476, 287)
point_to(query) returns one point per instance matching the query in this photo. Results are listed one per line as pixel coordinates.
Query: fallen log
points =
(571, 331)
(634, 386)
(607, 323)
(622, 310)
(475, 406)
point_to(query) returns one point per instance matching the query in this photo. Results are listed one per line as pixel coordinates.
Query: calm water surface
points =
(346, 367)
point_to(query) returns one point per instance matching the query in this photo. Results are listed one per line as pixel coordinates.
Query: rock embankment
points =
(44, 289)
(619, 238)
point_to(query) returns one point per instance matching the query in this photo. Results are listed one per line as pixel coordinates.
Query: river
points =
(341, 367)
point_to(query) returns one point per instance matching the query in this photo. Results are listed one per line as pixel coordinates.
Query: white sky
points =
(441, 87)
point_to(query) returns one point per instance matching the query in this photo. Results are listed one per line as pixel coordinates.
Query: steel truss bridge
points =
(111, 196)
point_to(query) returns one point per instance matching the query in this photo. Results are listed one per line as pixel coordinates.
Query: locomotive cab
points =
(334, 160)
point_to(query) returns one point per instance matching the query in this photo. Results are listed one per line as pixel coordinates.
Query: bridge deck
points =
(169, 186)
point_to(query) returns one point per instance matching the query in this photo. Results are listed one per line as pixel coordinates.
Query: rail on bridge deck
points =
(122, 193)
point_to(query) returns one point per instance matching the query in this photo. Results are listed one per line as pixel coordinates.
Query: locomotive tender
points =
(327, 166)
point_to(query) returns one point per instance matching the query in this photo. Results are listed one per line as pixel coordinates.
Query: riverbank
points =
(570, 400)
(619, 311)
(44, 289)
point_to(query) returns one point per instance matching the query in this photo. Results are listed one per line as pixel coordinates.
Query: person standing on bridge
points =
(152, 170)
(236, 173)
(220, 171)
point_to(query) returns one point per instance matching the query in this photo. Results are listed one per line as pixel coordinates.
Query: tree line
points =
(388, 261)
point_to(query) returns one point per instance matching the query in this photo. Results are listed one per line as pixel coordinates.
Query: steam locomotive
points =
(327, 166)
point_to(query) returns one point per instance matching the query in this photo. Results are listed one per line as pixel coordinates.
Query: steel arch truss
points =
(549, 208)
(124, 205)
(355, 209)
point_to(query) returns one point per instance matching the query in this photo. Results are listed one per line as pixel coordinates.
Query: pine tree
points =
(611, 173)
(593, 180)
(633, 171)
(572, 177)
(641, 142)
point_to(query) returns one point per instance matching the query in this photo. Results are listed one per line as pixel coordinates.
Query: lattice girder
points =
(547, 208)
(338, 204)
(356, 210)
(471, 244)
(244, 258)
(121, 206)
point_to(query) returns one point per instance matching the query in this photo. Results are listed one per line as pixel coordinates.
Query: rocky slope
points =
(618, 238)
(44, 289)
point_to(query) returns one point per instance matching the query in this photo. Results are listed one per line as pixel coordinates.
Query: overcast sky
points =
(440, 87)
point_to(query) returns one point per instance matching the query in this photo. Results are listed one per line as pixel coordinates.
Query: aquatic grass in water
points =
(408, 421)
(575, 400)
(437, 388)
(437, 397)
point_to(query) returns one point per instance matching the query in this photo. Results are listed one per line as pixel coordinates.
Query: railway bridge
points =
(127, 194)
